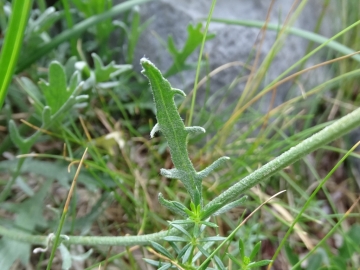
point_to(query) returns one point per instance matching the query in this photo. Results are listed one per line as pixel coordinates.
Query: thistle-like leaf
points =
(175, 132)
(15, 136)
(104, 73)
(56, 91)
(204, 173)
(173, 173)
(195, 38)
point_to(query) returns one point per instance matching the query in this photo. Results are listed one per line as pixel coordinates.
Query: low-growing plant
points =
(186, 236)
(195, 237)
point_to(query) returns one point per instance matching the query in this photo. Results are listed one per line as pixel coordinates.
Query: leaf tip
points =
(155, 129)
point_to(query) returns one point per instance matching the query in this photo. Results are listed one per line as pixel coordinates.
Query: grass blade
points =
(12, 43)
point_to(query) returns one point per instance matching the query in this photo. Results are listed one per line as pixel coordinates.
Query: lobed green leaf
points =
(172, 127)
(56, 91)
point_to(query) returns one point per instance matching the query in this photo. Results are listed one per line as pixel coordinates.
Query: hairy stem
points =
(328, 134)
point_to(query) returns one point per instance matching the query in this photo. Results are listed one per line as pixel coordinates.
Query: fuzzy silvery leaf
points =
(187, 254)
(82, 257)
(209, 224)
(155, 129)
(203, 250)
(27, 217)
(195, 129)
(175, 239)
(212, 238)
(65, 256)
(260, 263)
(153, 262)
(165, 266)
(181, 229)
(32, 91)
(204, 173)
(209, 211)
(172, 127)
(175, 247)
(183, 250)
(159, 248)
(16, 138)
(219, 263)
(12, 251)
(182, 222)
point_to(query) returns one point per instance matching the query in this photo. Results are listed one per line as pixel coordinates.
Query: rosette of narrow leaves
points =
(188, 245)
(172, 127)
(60, 96)
(248, 262)
(187, 249)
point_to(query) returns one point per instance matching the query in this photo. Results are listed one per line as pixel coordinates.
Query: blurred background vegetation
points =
(73, 88)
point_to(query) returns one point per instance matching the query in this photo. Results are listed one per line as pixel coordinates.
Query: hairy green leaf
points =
(172, 127)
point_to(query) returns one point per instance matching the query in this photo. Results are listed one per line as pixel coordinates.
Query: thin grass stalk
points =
(199, 62)
(64, 213)
(333, 229)
(332, 44)
(306, 205)
(328, 134)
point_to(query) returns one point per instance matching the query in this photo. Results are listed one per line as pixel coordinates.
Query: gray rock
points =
(232, 43)
(236, 43)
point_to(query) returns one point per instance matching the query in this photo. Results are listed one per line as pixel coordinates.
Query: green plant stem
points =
(12, 43)
(76, 31)
(328, 134)
(322, 241)
(64, 213)
(308, 201)
(85, 240)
